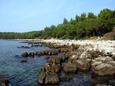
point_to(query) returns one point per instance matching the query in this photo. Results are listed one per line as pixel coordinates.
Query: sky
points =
(34, 15)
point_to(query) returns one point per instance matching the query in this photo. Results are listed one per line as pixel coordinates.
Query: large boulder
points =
(69, 67)
(103, 66)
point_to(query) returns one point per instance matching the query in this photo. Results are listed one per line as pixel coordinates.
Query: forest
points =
(82, 26)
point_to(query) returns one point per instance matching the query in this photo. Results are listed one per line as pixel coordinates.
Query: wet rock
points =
(41, 78)
(103, 66)
(55, 60)
(31, 54)
(51, 78)
(25, 54)
(48, 78)
(102, 85)
(4, 82)
(47, 52)
(69, 67)
(83, 64)
(24, 47)
(63, 50)
(51, 67)
(23, 61)
(28, 54)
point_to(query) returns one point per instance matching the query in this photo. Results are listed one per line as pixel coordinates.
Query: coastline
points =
(101, 45)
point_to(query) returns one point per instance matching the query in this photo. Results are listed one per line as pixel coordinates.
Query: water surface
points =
(20, 74)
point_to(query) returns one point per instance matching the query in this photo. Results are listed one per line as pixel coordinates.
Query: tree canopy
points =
(83, 26)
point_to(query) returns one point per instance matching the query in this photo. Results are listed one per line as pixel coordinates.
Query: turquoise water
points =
(20, 74)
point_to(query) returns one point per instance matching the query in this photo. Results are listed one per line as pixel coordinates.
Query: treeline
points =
(83, 26)
(13, 35)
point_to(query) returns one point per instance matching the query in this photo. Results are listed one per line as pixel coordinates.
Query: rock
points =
(42, 77)
(109, 54)
(102, 85)
(31, 54)
(51, 67)
(4, 82)
(25, 54)
(63, 50)
(69, 67)
(55, 68)
(103, 66)
(48, 78)
(47, 52)
(23, 61)
(88, 54)
(51, 78)
(55, 60)
(24, 47)
(83, 64)
(28, 54)
(113, 57)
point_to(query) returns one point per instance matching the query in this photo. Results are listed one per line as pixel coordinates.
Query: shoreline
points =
(101, 45)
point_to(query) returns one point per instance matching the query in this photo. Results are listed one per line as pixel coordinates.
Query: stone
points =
(103, 66)
(48, 78)
(51, 67)
(51, 78)
(25, 54)
(83, 64)
(69, 67)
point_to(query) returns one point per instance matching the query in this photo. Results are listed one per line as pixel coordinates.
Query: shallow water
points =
(20, 74)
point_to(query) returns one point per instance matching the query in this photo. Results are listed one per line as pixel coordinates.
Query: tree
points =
(65, 21)
(91, 15)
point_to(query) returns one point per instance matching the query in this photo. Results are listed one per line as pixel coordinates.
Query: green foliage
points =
(83, 26)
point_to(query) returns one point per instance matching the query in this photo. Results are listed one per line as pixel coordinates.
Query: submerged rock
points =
(23, 61)
(24, 47)
(25, 54)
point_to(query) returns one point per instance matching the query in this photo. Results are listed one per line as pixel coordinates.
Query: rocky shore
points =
(95, 56)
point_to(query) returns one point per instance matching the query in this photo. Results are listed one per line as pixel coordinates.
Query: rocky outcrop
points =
(48, 78)
(47, 52)
(103, 66)
(49, 75)
(42, 53)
